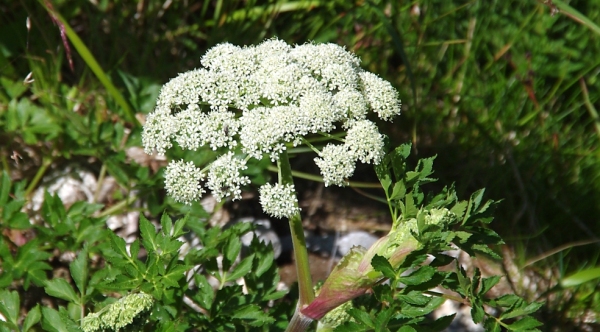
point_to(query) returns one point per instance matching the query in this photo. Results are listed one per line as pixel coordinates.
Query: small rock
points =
(355, 238)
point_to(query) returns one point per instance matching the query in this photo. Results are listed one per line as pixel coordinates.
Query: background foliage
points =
(504, 92)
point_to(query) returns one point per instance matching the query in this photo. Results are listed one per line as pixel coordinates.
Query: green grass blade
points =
(90, 60)
(277, 8)
(590, 106)
(581, 277)
(577, 16)
(398, 46)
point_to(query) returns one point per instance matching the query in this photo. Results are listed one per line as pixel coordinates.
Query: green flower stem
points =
(590, 106)
(99, 182)
(300, 252)
(318, 178)
(118, 207)
(46, 162)
(301, 257)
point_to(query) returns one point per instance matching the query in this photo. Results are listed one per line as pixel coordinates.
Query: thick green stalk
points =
(299, 322)
(301, 256)
(300, 253)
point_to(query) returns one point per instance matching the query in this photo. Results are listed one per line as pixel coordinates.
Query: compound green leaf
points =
(254, 314)
(51, 321)
(167, 224)
(241, 269)
(521, 309)
(525, 324)
(178, 228)
(119, 246)
(492, 325)
(399, 191)
(60, 288)
(9, 306)
(361, 317)
(205, 294)
(33, 317)
(79, 270)
(172, 277)
(382, 265)
(265, 260)
(423, 274)
(148, 233)
(477, 311)
(488, 283)
(231, 251)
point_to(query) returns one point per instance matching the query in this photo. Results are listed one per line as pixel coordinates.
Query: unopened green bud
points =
(354, 274)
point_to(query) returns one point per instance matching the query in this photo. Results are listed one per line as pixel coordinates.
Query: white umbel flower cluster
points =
(279, 200)
(225, 178)
(258, 100)
(336, 164)
(182, 181)
(363, 142)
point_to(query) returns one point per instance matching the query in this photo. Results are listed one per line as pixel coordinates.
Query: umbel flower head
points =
(255, 101)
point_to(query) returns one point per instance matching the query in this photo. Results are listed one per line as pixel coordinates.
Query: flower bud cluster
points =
(258, 100)
(120, 314)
